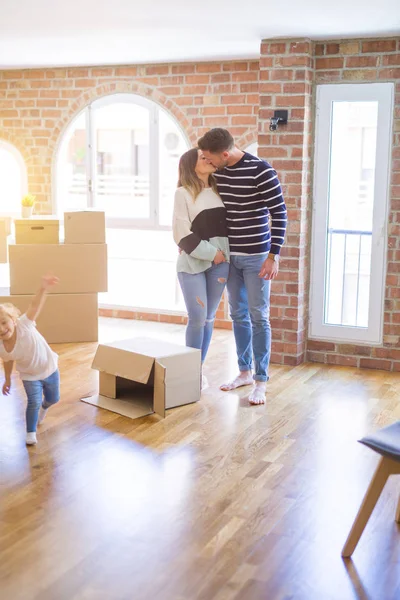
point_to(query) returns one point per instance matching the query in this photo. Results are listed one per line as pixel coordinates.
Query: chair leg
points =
(368, 504)
(398, 512)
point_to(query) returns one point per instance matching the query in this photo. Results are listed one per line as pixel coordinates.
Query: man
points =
(251, 192)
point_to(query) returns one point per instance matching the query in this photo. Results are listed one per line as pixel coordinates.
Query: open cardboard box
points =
(141, 376)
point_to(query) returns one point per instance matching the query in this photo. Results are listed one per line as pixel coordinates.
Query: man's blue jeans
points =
(249, 300)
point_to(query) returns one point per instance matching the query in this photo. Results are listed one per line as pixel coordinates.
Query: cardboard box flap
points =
(141, 407)
(157, 349)
(159, 390)
(122, 362)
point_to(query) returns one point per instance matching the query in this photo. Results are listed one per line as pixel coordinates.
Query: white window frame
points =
(23, 170)
(326, 95)
(154, 109)
(250, 148)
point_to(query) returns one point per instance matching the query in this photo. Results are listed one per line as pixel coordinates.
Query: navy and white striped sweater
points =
(252, 194)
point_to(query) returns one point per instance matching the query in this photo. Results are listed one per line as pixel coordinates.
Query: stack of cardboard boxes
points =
(71, 310)
(5, 230)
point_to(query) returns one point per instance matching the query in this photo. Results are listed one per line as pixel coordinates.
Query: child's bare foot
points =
(257, 395)
(244, 378)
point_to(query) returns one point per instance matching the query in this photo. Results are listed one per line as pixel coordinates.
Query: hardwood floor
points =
(219, 501)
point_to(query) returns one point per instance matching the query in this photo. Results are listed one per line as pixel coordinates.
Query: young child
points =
(37, 364)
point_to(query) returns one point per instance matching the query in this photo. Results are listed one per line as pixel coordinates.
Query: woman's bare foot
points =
(244, 378)
(257, 395)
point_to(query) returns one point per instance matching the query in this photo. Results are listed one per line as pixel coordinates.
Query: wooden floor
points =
(219, 501)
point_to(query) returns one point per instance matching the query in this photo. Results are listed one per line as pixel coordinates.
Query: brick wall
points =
(289, 70)
(36, 105)
(222, 320)
(286, 75)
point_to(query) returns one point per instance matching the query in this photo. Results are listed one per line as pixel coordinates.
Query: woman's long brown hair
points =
(188, 177)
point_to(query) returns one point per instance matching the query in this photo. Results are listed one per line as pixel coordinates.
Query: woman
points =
(200, 230)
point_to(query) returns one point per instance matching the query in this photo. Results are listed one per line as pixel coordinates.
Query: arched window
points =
(120, 155)
(13, 179)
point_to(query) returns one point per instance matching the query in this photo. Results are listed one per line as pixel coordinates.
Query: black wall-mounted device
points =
(280, 117)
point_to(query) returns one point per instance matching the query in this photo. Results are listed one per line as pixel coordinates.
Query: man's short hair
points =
(216, 140)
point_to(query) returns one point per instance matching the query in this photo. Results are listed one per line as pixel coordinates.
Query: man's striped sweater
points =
(252, 195)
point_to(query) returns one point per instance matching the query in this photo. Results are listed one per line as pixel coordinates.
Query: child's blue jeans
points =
(40, 393)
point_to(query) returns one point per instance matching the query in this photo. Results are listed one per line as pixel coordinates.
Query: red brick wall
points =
(288, 71)
(222, 320)
(286, 75)
(36, 105)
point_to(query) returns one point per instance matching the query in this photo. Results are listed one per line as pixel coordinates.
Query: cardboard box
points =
(37, 230)
(82, 268)
(64, 318)
(5, 228)
(85, 227)
(141, 376)
(7, 224)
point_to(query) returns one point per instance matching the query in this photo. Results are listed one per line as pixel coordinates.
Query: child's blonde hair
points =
(10, 310)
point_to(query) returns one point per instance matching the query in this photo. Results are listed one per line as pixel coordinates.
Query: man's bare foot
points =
(257, 395)
(245, 378)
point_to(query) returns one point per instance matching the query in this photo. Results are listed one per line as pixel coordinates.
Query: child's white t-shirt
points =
(34, 359)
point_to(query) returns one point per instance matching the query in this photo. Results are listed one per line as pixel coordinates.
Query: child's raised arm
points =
(36, 305)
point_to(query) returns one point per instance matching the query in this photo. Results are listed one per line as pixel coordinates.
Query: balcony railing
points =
(112, 185)
(348, 277)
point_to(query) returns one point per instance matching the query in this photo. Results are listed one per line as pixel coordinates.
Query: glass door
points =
(352, 152)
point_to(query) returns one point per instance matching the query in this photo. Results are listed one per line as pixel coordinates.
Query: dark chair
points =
(386, 442)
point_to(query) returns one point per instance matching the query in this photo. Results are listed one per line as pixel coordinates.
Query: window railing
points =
(348, 277)
(112, 185)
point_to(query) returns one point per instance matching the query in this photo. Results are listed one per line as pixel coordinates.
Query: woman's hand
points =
(6, 388)
(219, 257)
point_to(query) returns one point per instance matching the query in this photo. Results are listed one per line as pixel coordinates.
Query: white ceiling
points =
(35, 33)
